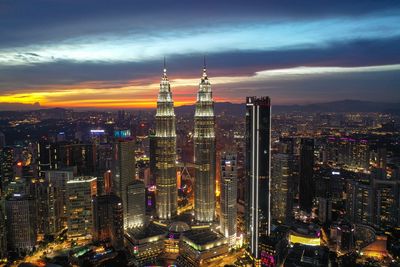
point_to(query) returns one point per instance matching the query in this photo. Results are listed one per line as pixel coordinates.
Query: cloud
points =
(261, 36)
(291, 85)
(53, 49)
(66, 74)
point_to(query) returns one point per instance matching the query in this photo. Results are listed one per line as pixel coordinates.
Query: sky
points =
(109, 54)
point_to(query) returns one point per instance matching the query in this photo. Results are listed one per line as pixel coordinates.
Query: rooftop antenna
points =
(165, 67)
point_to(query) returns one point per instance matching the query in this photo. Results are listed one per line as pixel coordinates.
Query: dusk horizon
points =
(94, 56)
(235, 133)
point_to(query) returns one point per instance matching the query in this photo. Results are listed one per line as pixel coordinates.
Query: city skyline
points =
(97, 57)
(200, 134)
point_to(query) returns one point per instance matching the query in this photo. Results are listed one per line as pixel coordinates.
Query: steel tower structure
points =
(204, 152)
(166, 194)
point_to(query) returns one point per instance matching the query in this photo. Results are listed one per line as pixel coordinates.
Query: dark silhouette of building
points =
(258, 174)
(306, 186)
(108, 220)
(21, 223)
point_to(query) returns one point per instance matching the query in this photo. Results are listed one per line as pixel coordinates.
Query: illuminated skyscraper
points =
(166, 199)
(108, 220)
(123, 171)
(80, 192)
(21, 223)
(228, 198)
(136, 209)
(306, 187)
(281, 186)
(258, 174)
(204, 152)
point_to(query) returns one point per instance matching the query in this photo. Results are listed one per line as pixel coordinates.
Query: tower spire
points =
(204, 69)
(165, 155)
(204, 151)
(165, 68)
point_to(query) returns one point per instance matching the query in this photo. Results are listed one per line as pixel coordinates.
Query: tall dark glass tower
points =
(204, 152)
(166, 198)
(258, 175)
(306, 185)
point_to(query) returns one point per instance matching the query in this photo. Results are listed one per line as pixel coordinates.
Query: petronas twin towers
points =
(204, 152)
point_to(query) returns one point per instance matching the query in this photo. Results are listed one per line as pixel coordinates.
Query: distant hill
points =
(220, 107)
(239, 108)
(335, 106)
(5, 106)
(342, 106)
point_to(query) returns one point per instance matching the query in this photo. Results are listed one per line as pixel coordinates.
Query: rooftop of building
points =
(203, 236)
(309, 229)
(146, 231)
(136, 182)
(82, 179)
(179, 227)
(301, 255)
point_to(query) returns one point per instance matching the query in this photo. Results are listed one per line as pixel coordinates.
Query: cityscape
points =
(192, 147)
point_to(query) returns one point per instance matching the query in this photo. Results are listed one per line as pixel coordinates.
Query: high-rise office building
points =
(49, 207)
(282, 186)
(108, 220)
(166, 194)
(359, 202)
(123, 171)
(3, 237)
(228, 197)
(152, 161)
(80, 192)
(348, 152)
(21, 223)
(204, 152)
(2, 140)
(59, 179)
(258, 171)
(6, 167)
(386, 203)
(376, 203)
(82, 156)
(386, 199)
(306, 185)
(136, 209)
(46, 156)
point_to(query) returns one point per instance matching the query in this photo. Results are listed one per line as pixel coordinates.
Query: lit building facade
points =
(21, 223)
(58, 179)
(6, 168)
(228, 196)
(376, 203)
(46, 156)
(282, 186)
(348, 152)
(166, 194)
(49, 208)
(258, 174)
(359, 202)
(200, 248)
(387, 203)
(145, 244)
(204, 152)
(80, 192)
(3, 237)
(123, 171)
(306, 186)
(108, 220)
(136, 205)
